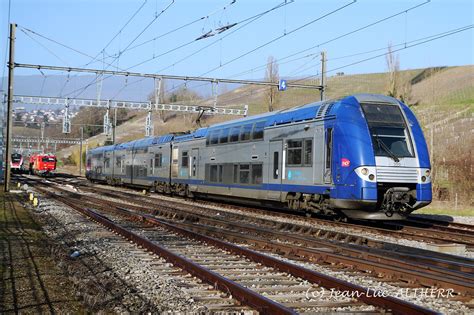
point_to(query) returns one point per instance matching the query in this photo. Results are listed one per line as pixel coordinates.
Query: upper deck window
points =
(258, 130)
(224, 137)
(234, 134)
(246, 132)
(215, 137)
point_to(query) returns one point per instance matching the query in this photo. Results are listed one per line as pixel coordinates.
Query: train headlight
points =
(424, 176)
(367, 173)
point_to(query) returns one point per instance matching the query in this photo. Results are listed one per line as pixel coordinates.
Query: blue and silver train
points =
(362, 156)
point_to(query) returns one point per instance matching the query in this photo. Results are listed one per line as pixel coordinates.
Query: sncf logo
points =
(345, 162)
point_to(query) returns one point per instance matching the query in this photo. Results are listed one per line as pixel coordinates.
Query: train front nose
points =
(402, 189)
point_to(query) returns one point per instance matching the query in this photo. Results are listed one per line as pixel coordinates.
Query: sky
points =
(88, 25)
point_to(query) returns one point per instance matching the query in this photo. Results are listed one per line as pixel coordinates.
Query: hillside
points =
(442, 98)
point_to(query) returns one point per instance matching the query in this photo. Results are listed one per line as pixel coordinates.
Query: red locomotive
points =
(42, 164)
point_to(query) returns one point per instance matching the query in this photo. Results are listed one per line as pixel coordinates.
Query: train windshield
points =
(390, 136)
(48, 159)
(16, 157)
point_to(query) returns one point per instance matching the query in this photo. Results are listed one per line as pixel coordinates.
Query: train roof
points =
(374, 98)
(288, 115)
(284, 116)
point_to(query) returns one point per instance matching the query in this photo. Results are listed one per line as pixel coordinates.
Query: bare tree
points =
(271, 75)
(393, 66)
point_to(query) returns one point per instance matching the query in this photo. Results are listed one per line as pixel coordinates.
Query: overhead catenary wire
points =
(81, 90)
(93, 59)
(282, 36)
(247, 21)
(25, 29)
(403, 45)
(366, 26)
(415, 43)
(179, 27)
(278, 38)
(118, 33)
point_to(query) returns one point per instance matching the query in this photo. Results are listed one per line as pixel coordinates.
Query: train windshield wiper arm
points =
(386, 149)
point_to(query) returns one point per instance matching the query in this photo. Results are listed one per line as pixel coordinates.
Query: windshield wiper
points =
(386, 149)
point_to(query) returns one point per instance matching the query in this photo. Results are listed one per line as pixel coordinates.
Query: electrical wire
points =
(246, 21)
(46, 48)
(417, 43)
(345, 34)
(281, 36)
(118, 33)
(83, 89)
(180, 27)
(271, 41)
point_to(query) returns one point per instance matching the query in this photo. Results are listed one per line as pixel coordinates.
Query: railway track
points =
(444, 273)
(427, 231)
(324, 233)
(431, 231)
(276, 286)
(343, 248)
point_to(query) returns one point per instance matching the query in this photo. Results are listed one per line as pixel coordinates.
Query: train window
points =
(215, 137)
(185, 159)
(275, 165)
(220, 173)
(158, 158)
(213, 173)
(106, 162)
(16, 157)
(389, 131)
(118, 161)
(258, 130)
(49, 159)
(295, 148)
(224, 137)
(234, 134)
(244, 173)
(308, 152)
(245, 132)
(257, 173)
(328, 149)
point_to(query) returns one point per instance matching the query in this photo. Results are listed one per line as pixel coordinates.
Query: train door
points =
(328, 156)
(275, 170)
(174, 162)
(319, 155)
(194, 164)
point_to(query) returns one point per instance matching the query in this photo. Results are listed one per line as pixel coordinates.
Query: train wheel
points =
(188, 193)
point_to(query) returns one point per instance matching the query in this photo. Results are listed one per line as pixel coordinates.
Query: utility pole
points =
(11, 67)
(80, 151)
(323, 74)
